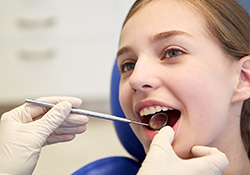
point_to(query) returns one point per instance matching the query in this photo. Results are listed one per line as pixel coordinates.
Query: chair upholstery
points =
(245, 4)
(110, 166)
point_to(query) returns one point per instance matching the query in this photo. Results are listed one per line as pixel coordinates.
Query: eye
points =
(128, 66)
(172, 52)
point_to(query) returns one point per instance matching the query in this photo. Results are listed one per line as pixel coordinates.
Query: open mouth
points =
(147, 113)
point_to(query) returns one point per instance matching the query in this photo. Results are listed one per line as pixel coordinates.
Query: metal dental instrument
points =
(158, 121)
(89, 113)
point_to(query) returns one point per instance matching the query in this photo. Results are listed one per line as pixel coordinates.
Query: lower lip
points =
(176, 125)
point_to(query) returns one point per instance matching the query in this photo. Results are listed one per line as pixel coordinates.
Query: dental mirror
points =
(158, 121)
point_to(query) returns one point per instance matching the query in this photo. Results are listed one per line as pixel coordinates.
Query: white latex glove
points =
(162, 160)
(25, 129)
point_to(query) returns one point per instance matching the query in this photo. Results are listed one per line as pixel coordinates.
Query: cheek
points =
(125, 98)
(206, 87)
(122, 96)
(206, 101)
(126, 101)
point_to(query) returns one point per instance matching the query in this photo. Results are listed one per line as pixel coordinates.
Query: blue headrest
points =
(124, 132)
(110, 166)
(245, 4)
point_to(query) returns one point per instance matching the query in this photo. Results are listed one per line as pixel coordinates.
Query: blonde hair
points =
(229, 24)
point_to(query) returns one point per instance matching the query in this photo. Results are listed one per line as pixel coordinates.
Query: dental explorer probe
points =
(88, 113)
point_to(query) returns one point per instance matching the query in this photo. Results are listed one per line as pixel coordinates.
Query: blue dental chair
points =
(123, 165)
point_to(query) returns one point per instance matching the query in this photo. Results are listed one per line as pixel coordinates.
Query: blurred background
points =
(66, 48)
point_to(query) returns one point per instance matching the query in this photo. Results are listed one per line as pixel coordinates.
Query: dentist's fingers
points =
(161, 143)
(26, 129)
(165, 135)
(59, 138)
(34, 111)
(74, 120)
(65, 134)
(160, 154)
(161, 158)
(75, 102)
(207, 155)
(53, 118)
(74, 124)
(69, 130)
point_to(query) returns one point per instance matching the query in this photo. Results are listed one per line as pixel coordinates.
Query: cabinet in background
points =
(51, 47)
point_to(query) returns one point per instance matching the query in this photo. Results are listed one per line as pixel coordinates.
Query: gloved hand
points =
(25, 129)
(161, 158)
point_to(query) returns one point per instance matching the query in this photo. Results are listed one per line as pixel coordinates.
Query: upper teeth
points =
(153, 110)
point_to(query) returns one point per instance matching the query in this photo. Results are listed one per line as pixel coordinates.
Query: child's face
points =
(168, 59)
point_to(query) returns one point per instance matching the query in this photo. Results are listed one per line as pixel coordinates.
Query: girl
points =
(190, 59)
(187, 58)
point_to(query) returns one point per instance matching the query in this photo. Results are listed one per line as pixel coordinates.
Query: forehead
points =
(163, 15)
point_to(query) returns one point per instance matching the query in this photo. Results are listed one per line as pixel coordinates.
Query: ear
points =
(242, 91)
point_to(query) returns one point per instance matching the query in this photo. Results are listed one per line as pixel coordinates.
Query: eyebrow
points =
(123, 50)
(165, 35)
(157, 37)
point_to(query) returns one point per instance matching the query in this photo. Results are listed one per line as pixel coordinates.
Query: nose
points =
(144, 77)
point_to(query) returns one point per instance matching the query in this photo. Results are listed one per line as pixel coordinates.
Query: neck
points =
(238, 163)
(230, 143)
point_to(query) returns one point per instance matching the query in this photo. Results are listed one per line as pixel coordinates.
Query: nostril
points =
(142, 88)
(146, 86)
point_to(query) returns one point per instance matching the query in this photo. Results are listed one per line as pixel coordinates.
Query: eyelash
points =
(167, 51)
(123, 66)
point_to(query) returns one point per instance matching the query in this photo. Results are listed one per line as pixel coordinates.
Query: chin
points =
(183, 152)
(143, 138)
